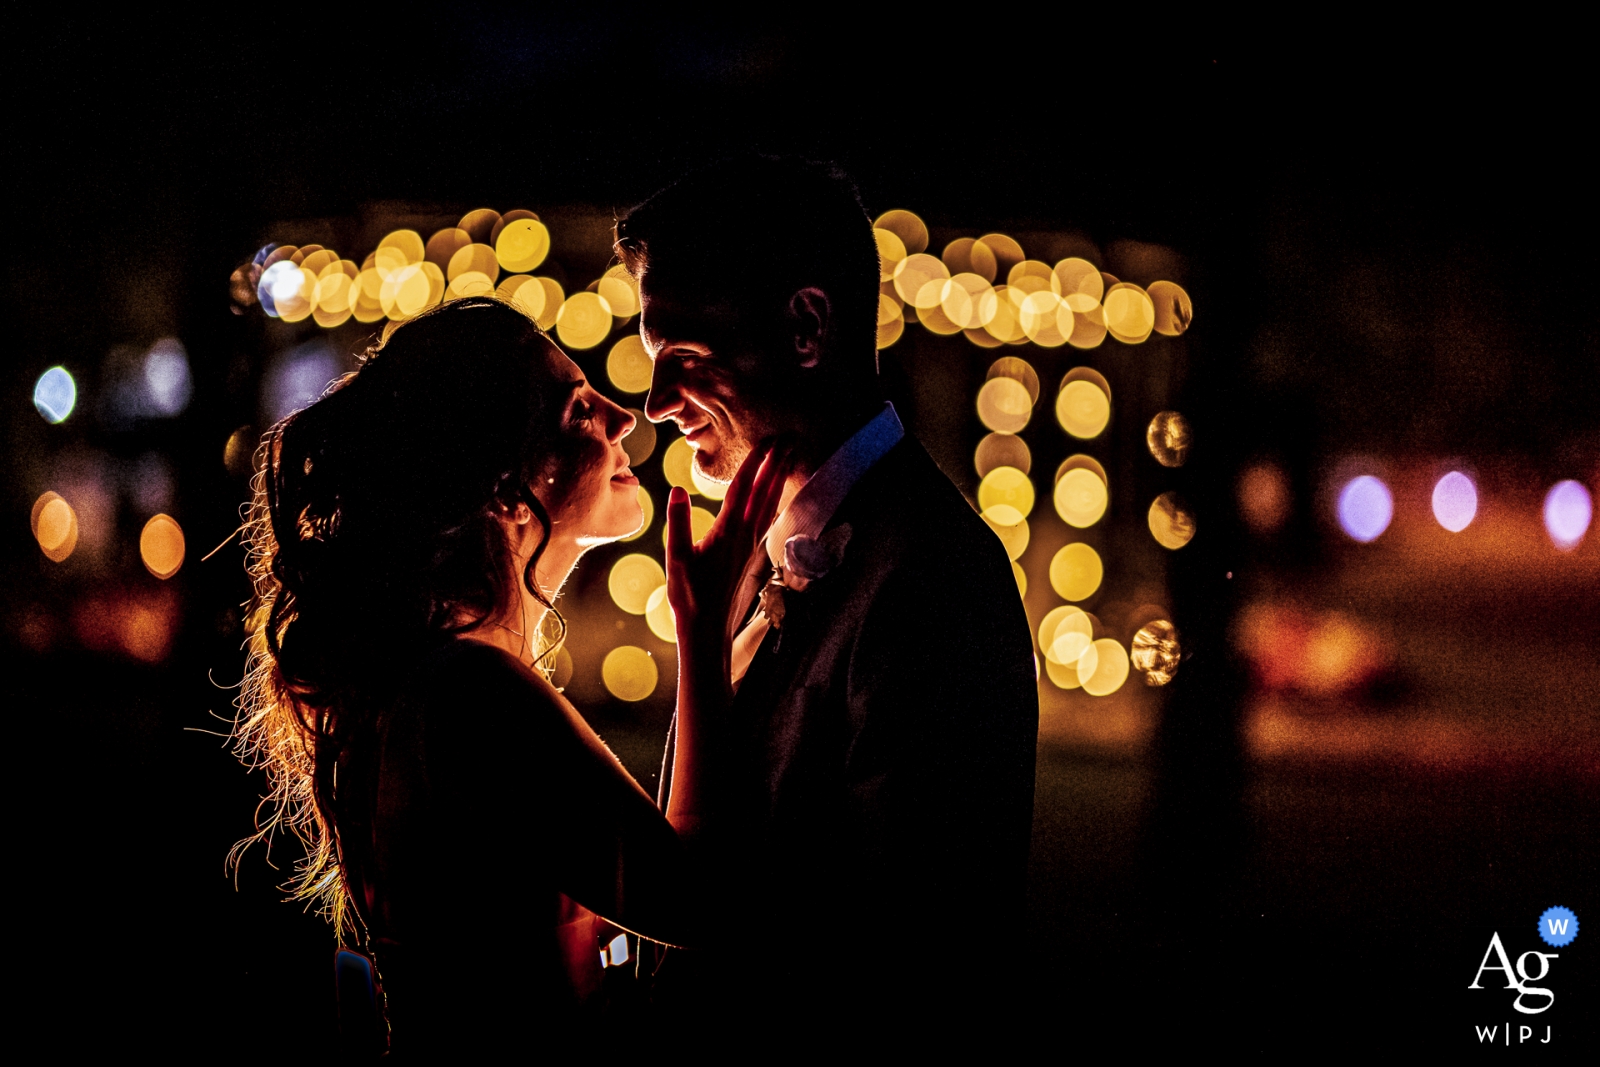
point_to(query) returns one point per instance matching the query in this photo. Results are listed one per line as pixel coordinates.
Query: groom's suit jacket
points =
(884, 753)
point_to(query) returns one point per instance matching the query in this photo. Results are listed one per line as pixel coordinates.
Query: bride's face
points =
(587, 488)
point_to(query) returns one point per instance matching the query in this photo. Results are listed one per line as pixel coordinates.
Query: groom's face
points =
(710, 376)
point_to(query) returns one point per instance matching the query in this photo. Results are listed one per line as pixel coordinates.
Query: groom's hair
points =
(757, 229)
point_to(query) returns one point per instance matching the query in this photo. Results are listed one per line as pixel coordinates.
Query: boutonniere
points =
(805, 559)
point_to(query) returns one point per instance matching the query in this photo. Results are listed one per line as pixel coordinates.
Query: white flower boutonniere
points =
(805, 559)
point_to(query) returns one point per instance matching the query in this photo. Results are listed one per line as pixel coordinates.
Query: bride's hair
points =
(373, 533)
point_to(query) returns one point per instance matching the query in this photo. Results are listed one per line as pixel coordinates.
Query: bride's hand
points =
(703, 578)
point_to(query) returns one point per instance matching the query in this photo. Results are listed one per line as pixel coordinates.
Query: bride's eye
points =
(582, 412)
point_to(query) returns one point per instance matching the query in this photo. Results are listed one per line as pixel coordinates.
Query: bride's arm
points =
(702, 580)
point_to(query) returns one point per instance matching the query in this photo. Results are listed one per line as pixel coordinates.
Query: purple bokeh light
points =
(1455, 501)
(1567, 511)
(1365, 508)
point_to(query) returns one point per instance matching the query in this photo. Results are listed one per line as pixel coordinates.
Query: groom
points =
(885, 711)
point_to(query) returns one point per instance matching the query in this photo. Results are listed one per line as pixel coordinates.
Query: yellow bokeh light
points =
(402, 248)
(1040, 317)
(891, 250)
(1168, 438)
(1080, 498)
(522, 245)
(531, 296)
(1063, 676)
(480, 223)
(1006, 326)
(1079, 277)
(1018, 276)
(1172, 306)
(1009, 486)
(919, 280)
(1171, 522)
(628, 365)
(583, 321)
(1156, 652)
(1020, 369)
(1103, 667)
(1088, 326)
(364, 301)
(476, 259)
(1076, 572)
(619, 290)
(512, 284)
(700, 521)
(161, 546)
(1002, 450)
(647, 506)
(659, 616)
(677, 463)
(1009, 525)
(331, 299)
(968, 301)
(55, 526)
(1064, 633)
(934, 317)
(1006, 251)
(1083, 408)
(629, 673)
(968, 255)
(469, 283)
(633, 578)
(709, 488)
(890, 332)
(1021, 576)
(445, 244)
(911, 230)
(1004, 405)
(1130, 316)
(292, 294)
(319, 261)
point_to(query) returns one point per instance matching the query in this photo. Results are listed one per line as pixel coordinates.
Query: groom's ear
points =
(810, 317)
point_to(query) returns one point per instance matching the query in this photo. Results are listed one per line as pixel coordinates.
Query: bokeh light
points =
(1156, 652)
(659, 616)
(522, 245)
(1021, 576)
(1103, 667)
(1089, 325)
(1081, 497)
(55, 526)
(1006, 326)
(1076, 572)
(647, 506)
(1365, 508)
(1019, 369)
(700, 521)
(919, 280)
(891, 250)
(633, 578)
(1171, 521)
(1168, 438)
(1173, 308)
(629, 673)
(238, 455)
(1455, 501)
(55, 394)
(1004, 405)
(1010, 526)
(445, 244)
(967, 255)
(1006, 486)
(1083, 407)
(676, 464)
(709, 488)
(911, 230)
(1130, 316)
(619, 290)
(1568, 509)
(480, 223)
(1002, 450)
(628, 365)
(1264, 497)
(640, 443)
(1064, 634)
(161, 546)
(583, 321)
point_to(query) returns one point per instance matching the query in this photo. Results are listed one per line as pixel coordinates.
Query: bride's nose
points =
(619, 421)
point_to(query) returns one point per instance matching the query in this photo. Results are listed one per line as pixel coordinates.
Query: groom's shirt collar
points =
(813, 507)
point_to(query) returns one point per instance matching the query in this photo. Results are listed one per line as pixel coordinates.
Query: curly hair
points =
(372, 533)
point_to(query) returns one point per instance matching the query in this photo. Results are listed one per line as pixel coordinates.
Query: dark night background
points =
(1390, 252)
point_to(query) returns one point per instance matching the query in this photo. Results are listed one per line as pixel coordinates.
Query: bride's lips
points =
(625, 477)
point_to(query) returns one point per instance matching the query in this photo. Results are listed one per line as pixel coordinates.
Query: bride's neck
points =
(514, 628)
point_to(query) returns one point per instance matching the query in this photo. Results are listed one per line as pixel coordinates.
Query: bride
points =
(408, 537)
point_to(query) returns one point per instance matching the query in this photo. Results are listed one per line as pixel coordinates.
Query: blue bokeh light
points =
(1567, 512)
(1455, 501)
(55, 394)
(1365, 508)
